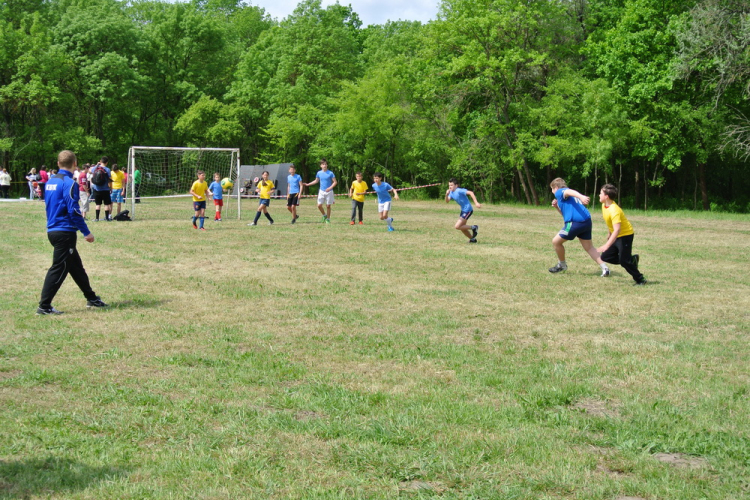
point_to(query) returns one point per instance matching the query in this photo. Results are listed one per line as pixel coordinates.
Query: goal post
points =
(167, 174)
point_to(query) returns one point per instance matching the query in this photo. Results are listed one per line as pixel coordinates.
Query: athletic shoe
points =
(472, 240)
(351, 223)
(474, 231)
(96, 303)
(219, 220)
(637, 283)
(270, 223)
(195, 226)
(294, 221)
(324, 219)
(328, 221)
(96, 220)
(296, 217)
(390, 229)
(605, 272)
(203, 229)
(252, 224)
(361, 223)
(634, 260)
(558, 268)
(44, 311)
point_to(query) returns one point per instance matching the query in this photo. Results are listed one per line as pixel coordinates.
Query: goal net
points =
(167, 174)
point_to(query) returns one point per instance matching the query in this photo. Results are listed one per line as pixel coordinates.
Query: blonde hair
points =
(557, 183)
(66, 159)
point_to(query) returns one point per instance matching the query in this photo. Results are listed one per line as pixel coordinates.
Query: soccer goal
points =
(167, 174)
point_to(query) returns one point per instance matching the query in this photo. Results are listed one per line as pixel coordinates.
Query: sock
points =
(202, 219)
(562, 263)
(257, 216)
(389, 221)
(194, 219)
(106, 214)
(268, 216)
(218, 215)
(603, 266)
(97, 212)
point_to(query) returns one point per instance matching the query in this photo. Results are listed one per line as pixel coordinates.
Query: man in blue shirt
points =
(293, 194)
(572, 206)
(384, 199)
(461, 196)
(64, 219)
(325, 195)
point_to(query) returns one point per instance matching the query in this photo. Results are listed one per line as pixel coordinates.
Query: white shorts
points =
(325, 198)
(85, 198)
(384, 207)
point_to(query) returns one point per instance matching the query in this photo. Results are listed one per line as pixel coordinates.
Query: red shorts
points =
(218, 203)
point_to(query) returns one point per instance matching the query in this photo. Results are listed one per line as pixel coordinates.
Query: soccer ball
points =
(226, 183)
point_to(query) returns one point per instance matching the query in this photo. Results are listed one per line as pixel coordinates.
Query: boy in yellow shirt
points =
(264, 189)
(357, 194)
(619, 246)
(198, 190)
(118, 185)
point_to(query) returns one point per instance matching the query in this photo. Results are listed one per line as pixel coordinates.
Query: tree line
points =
(503, 94)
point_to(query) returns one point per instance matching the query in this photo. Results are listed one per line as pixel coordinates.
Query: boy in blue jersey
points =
(293, 192)
(461, 196)
(217, 193)
(64, 219)
(384, 199)
(325, 196)
(572, 206)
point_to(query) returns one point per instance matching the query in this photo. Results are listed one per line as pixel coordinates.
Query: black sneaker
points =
(44, 311)
(637, 283)
(294, 221)
(96, 303)
(474, 231)
(634, 260)
(558, 268)
(605, 272)
(472, 240)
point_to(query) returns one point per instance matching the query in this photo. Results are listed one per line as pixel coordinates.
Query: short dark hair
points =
(199, 172)
(378, 175)
(610, 190)
(453, 180)
(105, 159)
(323, 160)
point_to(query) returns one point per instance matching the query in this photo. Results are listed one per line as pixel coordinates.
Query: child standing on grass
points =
(384, 199)
(293, 192)
(327, 181)
(118, 184)
(461, 196)
(199, 190)
(572, 206)
(217, 192)
(264, 189)
(357, 194)
(619, 246)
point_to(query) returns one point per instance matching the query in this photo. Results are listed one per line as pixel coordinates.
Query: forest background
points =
(652, 95)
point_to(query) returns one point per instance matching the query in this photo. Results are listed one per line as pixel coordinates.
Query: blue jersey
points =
(326, 179)
(105, 186)
(217, 190)
(572, 209)
(382, 191)
(294, 181)
(61, 195)
(459, 196)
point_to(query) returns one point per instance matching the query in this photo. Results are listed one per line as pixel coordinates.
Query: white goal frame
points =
(233, 171)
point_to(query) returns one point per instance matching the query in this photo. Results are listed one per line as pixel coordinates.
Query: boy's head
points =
(116, 167)
(217, 177)
(323, 164)
(201, 174)
(104, 160)
(358, 175)
(292, 169)
(66, 160)
(557, 184)
(453, 184)
(378, 177)
(607, 193)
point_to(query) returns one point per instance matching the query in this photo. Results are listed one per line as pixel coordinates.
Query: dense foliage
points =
(504, 94)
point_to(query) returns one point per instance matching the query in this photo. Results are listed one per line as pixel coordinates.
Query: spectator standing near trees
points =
(32, 177)
(43, 178)
(5, 183)
(137, 180)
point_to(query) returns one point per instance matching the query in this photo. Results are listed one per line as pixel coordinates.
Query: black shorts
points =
(102, 197)
(292, 199)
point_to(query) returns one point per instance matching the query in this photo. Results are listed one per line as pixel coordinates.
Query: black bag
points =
(99, 177)
(124, 215)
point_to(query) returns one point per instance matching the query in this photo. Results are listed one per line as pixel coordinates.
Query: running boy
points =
(198, 190)
(217, 192)
(325, 196)
(384, 199)
(572, 206)
(461, 196)
(264, 189)
(293, 192)
(619, 246)
(357, 194)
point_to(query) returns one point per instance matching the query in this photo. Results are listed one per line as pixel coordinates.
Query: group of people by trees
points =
(506, 95)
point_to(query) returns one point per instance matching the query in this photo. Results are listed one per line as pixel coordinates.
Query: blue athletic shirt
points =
(105, 186)
(326, 179)
(382, 191)
(459, 196)
(217, 190)
(61, 194)
(572, 209)
(294, 182)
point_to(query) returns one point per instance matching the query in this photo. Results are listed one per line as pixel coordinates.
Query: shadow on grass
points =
(138, 303)
(47, 476)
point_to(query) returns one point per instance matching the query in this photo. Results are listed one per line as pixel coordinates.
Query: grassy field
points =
(330, 361)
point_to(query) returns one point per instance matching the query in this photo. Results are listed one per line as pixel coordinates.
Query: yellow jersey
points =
(265, 191)
(613, 214)
(117, 176)
(200, 189)
(358, 190)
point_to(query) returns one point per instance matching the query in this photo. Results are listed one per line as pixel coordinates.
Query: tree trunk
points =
(527, 170)
(637, 188)
(704, 189)
(523, 185)
(645, 187)
(596, 181)
(619, 186)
